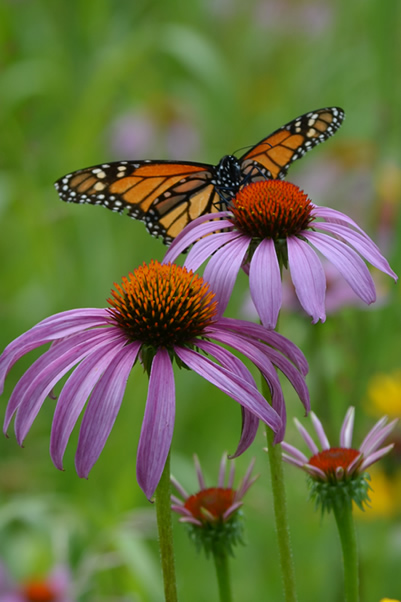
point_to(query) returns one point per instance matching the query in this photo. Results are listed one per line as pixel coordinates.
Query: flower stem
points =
(281, 518)
(346, 529)
(165, 528)
(220, 558)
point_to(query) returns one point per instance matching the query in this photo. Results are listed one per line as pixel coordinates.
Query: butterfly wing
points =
(165, 195)
(273, 155)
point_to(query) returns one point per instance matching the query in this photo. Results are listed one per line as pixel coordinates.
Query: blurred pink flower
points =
(53, 587)
(139, 135)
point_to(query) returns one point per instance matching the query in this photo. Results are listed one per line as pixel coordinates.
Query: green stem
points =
(220, 558)
(280, 504)
(346, 529)
(165, 528)
(281, 518)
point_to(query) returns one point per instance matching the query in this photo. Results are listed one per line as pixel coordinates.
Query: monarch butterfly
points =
(168, 195)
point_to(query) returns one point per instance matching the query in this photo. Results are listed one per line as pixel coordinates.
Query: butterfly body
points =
(168, 195)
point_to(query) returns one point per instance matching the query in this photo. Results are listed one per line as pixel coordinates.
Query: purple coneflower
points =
(212, 513)
(270, 225)
(339, 470)
(158, 314)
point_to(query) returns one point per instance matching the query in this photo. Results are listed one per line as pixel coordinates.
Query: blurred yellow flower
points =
(384, 393)
(389, 600)
(385, 496)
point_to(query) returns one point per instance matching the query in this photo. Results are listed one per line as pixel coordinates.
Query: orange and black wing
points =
(273, 155)
(164, 195)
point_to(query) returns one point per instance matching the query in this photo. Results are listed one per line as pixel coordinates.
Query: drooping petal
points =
(53, 328)
(237, 341)
(158, 424)
(265, 283)
(102, 409)
(272, 338)
(348, 263)
(292, 374)
(364, 245)
(308, 277)
(187, 237)
(206, 247)
(37, 382)
(75, 394)
(250, 422)
(233, 385)
(335, 217)
(260, 360)
(226, 358)
(249, 430)
(222, 270)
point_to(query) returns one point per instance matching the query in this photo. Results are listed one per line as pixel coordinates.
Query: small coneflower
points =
(159, 314)
(339, 472)
(338, 478)
(213, 514)
(214, 517)
(273, 224)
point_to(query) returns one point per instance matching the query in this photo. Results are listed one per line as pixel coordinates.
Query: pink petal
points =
(297, 457)
(347, 428)
(233, 385)
(102, 409)
(265, 283)
(318, 426)
(196, 230)
(222, 270)
(53, 328)
(306, 437)
(260, 360)
(308, 276)
(273, 339)
(363, 244)
(374, 457)
(203, 249)
(76, 392)
(158, 424)
(37, 382)
(250, 422)
(249, 430)
(199, 473)
(348, 263)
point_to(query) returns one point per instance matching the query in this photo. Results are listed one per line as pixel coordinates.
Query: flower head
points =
(212, 513)
(339, 472)
(272, 224)
(54, 587)
(159, 314)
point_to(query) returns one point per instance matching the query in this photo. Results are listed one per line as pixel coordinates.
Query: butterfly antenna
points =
(249, 147)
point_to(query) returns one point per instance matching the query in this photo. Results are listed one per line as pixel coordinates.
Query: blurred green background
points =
(87, 82)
